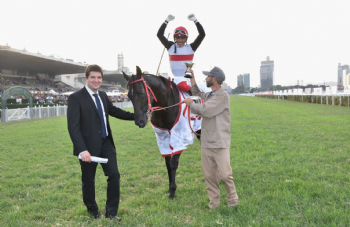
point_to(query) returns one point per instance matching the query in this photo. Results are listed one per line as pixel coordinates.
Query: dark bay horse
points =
(161, 93)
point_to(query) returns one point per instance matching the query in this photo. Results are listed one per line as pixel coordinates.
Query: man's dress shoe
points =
(114, 217)
(94, 213)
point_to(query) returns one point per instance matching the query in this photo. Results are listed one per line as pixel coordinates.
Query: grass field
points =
(290, 162)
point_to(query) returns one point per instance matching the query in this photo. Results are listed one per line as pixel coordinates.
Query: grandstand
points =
(50, 80)
(34, 83)
(34, 71)
(40, 73)
(113, 80)
(48, 76)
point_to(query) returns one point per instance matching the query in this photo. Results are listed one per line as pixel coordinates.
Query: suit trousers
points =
(216, 166)
(110, 170)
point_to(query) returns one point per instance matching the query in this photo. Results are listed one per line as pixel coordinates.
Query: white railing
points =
(53, 111)
(30, 113)
(17, 114)
(41, 112)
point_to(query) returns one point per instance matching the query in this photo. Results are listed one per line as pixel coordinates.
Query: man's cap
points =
(216, 72)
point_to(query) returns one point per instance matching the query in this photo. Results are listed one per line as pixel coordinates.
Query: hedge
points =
(338, 100)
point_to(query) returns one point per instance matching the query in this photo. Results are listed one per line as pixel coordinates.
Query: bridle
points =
(157, 108)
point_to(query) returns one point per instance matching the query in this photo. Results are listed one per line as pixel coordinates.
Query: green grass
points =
(290, 162)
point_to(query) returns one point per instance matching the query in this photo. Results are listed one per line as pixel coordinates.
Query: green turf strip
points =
(290, 162)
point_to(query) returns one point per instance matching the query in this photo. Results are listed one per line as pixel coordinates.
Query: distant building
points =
(246, 80)
(243, 80)
(341, 78)
(346, 81)
(120, 62)
(224, 85)
(121, 67)
(112, 79)
(239, 80)
(266, 74)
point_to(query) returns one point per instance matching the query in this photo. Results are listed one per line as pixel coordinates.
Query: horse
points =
(148, 93)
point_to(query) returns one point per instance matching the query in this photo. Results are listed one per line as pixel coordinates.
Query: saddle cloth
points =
(175, 140)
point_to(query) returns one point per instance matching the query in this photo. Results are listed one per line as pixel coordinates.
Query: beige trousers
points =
(216, 166)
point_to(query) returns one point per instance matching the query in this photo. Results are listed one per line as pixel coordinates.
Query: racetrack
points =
(290, 163)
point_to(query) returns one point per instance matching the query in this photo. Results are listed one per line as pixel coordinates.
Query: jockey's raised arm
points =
(200, 30)
(167, 44)
(179, 51)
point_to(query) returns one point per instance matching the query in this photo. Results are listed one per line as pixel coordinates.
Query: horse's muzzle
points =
(141, 123)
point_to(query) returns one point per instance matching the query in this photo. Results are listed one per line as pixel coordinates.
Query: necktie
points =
(99, 109)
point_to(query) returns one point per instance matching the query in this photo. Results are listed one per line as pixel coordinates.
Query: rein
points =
(157, 108)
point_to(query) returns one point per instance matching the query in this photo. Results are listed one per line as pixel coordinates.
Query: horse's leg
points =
(174, 163)
(168, 166)
(199, 133)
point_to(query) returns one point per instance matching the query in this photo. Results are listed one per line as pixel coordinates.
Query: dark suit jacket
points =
(84, 124)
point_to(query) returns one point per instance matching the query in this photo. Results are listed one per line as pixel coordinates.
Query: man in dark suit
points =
(88, 126)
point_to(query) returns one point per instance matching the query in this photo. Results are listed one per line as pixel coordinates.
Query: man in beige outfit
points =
(215, 136)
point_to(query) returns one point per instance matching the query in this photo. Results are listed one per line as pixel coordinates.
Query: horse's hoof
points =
(171, 198)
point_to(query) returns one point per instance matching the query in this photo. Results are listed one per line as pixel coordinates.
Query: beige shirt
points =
(216, 117)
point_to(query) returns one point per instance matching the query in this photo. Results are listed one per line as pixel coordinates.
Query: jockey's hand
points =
(170, 18)
(192, 17)
(188, 101)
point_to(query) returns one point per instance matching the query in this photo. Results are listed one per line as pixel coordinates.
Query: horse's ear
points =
(126, 76)
(138, 72)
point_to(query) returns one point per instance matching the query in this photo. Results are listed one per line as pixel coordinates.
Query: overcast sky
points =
(306, 38)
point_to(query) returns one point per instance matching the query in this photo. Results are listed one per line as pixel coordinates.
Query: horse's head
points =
(137, 95)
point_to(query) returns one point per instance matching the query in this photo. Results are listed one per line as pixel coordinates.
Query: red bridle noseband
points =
(148, 97)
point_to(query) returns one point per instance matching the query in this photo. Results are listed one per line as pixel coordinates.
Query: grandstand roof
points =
(113, 76)
(23, 60)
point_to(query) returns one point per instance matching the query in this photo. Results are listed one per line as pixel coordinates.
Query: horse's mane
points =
(163, 79)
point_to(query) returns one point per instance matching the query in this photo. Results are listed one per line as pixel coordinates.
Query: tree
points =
(254, 89)
(238, 90)
(277, 87)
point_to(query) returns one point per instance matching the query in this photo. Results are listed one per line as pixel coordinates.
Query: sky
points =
(305, 38)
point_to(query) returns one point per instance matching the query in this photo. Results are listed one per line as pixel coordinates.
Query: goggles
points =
(180, 33)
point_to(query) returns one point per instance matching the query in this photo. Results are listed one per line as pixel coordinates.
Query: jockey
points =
(179, 51)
